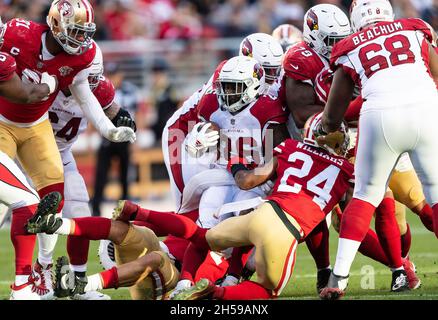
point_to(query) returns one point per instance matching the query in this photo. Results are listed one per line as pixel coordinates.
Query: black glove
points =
(124, 119)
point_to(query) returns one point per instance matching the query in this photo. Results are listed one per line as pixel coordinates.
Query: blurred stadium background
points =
(158, 52)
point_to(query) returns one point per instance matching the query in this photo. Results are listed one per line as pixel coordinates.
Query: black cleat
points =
(322, 280)
(399, 281)
(67, 283)
(44, 219)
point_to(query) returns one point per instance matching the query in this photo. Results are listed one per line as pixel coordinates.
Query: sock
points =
(65, 227)
(95, 282)
(388, 232)
(21, 279)
(247, 290)
(23, 242)
(426, 217)
(110, 278)
(356, 220)
(92, 228)
(238, 259)
(344, 258)
(406, 242)
(371, 248)
(193, 258)
(318, 244)
(77, 249)
(435, 219)
(47, 242)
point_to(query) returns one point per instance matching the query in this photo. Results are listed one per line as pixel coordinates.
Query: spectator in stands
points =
(430, 14)
(184, 24)
(163, 98)
(127, 96)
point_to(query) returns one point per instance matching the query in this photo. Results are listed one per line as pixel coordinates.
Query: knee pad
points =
(74, 187)
(406, 188)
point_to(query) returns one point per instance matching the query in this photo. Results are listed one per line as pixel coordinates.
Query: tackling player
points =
(391, 116)
(62, 48)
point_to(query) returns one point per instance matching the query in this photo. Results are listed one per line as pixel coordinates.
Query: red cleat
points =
(125, 211)
(411, 273)
(331, 294)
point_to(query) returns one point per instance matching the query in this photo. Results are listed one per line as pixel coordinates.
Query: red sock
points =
(238, 260)
(247, 290)
(371, 248)
(77, 249)
(406, 240)
(435, 219)
(426, 217)
(193, 258)
(92, 228)
(110, 278)
(356, 220)
(318, 244)
(59, 187)
(388, 232)
(23, 242)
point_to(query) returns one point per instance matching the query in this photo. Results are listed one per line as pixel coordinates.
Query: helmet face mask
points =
(324, 25)
(271, 73)
(72, 28)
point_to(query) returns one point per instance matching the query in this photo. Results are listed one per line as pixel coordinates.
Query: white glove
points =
(267, 187)
(198, 141)
(50, 81)
(121, 134)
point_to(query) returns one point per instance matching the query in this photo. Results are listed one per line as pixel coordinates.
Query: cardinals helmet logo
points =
(312, 20)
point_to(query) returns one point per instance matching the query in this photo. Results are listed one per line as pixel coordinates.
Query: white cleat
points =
(24, 292)
(91, 295)
(106, 254)
(43, 281)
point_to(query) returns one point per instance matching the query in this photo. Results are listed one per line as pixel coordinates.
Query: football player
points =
(392, 115)
(68, 122)
(64, 49)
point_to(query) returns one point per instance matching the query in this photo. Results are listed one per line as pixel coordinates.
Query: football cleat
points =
(67, 283)
(180, 286)
(125, 211)
(42, 281)
(202, 289)
(45, 220)
(399, 281)
(26, 291)
(335, 289)
(91, 295)
(411, 273)
(322, 279)
(106, 254)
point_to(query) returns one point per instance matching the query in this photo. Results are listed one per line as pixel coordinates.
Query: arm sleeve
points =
(89, 104)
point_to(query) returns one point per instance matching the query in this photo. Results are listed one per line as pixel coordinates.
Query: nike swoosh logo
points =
(294, 66)
(66, 163)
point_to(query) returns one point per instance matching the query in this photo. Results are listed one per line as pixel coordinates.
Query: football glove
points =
(51, 81)
(199, 140)
(121, 134)
(123, 119)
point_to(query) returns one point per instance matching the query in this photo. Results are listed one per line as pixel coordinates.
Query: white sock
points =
(347, 250)
(95, 283)
(46, 246)
(396, 269)
(21, 279)
(65, 227)
(79, 268)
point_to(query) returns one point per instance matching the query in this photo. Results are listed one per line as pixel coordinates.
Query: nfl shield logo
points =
(65, 70)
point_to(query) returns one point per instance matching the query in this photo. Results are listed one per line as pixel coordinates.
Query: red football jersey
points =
(310, 182)
(105, 93)
(302, 63)
(7, 66)
(23, 40)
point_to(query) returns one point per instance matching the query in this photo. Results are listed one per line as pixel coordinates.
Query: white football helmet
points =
(2, 31)
(266, 50)
(287, 35)
(324, 25)
(96, 69)
(366, 12)
(240, 82)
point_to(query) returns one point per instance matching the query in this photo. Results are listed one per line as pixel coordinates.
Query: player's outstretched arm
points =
(338, 100)
(16, 91)
(248, 179)
(300, 99)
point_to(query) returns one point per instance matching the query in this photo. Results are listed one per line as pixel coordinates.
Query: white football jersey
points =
(389, 61)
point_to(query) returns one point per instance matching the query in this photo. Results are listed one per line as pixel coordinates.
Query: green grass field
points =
(424, 252)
